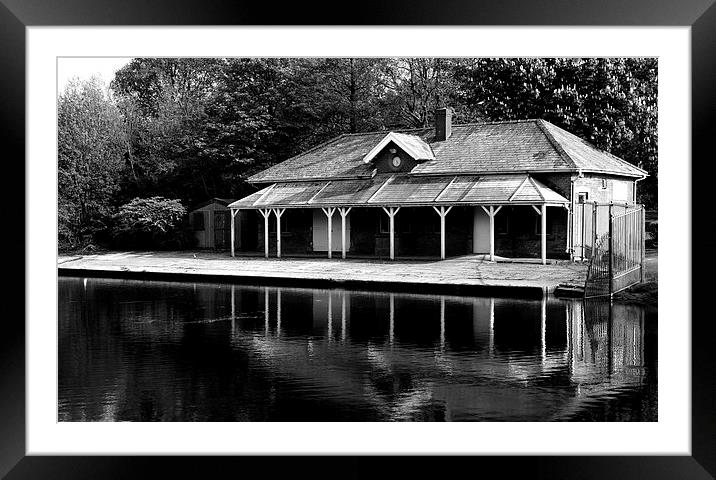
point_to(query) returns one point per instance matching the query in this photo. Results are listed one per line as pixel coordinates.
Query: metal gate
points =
(617, 256)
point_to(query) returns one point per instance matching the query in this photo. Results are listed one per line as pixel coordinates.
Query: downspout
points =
(634, 189)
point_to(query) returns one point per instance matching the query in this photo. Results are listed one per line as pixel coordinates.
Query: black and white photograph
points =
(357, 239)
(422, 231)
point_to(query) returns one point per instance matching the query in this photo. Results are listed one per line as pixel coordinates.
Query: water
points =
(172, 351)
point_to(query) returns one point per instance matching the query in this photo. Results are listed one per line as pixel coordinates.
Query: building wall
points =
(320, 231)
(600, 188)
(417, 232)
(605, 188)
(383, 161)
(481, 231)
(364, 228)
(296, 232)
(518, 232)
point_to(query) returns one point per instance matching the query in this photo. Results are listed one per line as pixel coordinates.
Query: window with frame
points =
(604, 183)
(582, 197)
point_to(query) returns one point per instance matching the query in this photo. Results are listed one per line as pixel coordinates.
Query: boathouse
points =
(506, 189)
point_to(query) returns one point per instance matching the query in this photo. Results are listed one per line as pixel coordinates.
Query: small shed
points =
(211, 223)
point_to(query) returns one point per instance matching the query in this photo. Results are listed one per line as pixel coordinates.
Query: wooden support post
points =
(266, 212)
(392, 212)
(491, 212)
(544, 234)
(344, 212)
(329, 214)
(233, 233)
(643, 242)
(584, 229)
(442, 211)
(278, 212)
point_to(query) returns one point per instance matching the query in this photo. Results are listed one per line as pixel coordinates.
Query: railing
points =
(617, 258)
(598, 278)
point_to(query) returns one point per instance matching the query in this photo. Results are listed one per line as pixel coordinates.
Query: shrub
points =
(154, 222)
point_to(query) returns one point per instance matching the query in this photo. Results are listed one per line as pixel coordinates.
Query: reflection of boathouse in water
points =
(178, 350)
(518, 343)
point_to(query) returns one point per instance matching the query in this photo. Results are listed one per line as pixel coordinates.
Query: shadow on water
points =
(166, 351)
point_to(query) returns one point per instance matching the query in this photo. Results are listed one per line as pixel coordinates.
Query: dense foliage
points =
(90, 146)
(150, 223)
(192, 129)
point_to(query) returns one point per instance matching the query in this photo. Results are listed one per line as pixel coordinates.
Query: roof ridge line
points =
(588, 144)
(268, 190)
(519, 188)
(318, 192)
(556, 145)
(389, 180)
(445, 188)
(469, 124)
(537, 187)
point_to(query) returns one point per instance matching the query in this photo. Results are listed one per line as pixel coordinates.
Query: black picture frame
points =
(700, 15)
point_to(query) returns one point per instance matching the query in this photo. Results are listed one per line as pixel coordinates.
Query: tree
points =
(416, 87)
(611, 103)
(163, 103)
(90, 144)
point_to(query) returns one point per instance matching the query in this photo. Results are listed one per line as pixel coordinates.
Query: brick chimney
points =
(443, 123)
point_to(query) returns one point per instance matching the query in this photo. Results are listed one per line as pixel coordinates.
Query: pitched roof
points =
(587, 157)
(220, 201)
(413, 145)
(403, 189)
(480, 148)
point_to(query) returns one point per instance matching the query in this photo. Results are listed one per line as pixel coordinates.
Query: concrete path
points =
(470, 270)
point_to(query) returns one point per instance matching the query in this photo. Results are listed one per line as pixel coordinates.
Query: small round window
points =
(396, 161)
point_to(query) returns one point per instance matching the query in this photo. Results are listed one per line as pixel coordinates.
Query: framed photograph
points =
(424, 234)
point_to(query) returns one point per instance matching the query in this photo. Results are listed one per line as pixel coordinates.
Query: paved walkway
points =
(469, 270)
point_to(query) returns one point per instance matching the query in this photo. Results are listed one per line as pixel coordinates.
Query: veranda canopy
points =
(405, 190)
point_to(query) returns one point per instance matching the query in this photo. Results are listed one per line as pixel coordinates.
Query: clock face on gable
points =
(396, 161)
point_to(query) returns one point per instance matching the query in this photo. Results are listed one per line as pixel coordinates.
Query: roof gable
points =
(413, 145)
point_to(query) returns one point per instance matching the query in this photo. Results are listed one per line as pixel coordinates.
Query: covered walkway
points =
(390, 193)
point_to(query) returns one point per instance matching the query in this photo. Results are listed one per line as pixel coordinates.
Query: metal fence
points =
(591, 222)
(616, 256)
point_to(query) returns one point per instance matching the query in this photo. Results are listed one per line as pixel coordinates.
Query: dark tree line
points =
(191, 129)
